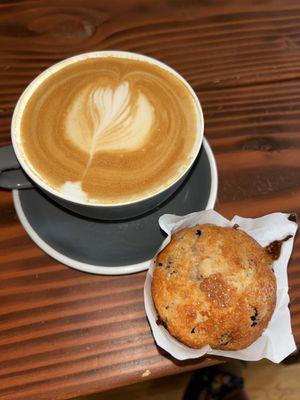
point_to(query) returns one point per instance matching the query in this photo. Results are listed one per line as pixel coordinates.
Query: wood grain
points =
(64, 333)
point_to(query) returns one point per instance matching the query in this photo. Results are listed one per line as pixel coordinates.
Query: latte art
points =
(106, 119)
(109, 130)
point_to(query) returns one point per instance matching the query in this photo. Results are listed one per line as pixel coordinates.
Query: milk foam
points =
(108, 119)
(74, 190)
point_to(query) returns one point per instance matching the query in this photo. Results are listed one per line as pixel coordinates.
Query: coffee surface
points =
(109, 130)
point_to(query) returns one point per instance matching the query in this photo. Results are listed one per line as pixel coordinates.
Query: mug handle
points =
(11, 174)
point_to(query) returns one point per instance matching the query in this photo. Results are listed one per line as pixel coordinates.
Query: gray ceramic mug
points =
(16, 173)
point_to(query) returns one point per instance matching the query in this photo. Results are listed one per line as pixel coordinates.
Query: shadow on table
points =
(201, 362)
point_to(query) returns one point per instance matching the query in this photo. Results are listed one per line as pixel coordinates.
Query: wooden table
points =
(64, 333)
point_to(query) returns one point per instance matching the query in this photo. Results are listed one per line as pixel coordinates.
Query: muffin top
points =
(214, 286)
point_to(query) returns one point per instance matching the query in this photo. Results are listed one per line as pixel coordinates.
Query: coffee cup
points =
(108, 135)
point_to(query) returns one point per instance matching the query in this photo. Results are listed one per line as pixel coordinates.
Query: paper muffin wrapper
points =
(277, 341)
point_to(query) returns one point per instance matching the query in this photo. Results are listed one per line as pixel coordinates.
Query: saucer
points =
(113, 247)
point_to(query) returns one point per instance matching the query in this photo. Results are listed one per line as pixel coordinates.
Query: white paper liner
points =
(277, 341)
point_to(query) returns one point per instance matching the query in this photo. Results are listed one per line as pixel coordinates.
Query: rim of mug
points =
(30, 89)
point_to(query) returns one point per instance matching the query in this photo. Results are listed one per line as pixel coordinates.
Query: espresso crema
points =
(110, 130)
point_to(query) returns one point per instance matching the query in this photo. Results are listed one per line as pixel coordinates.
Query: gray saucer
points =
(112, 248)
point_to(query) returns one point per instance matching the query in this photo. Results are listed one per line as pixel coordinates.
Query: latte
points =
(110, 129)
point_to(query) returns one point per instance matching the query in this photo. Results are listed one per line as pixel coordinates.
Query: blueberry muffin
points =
(214, 286)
